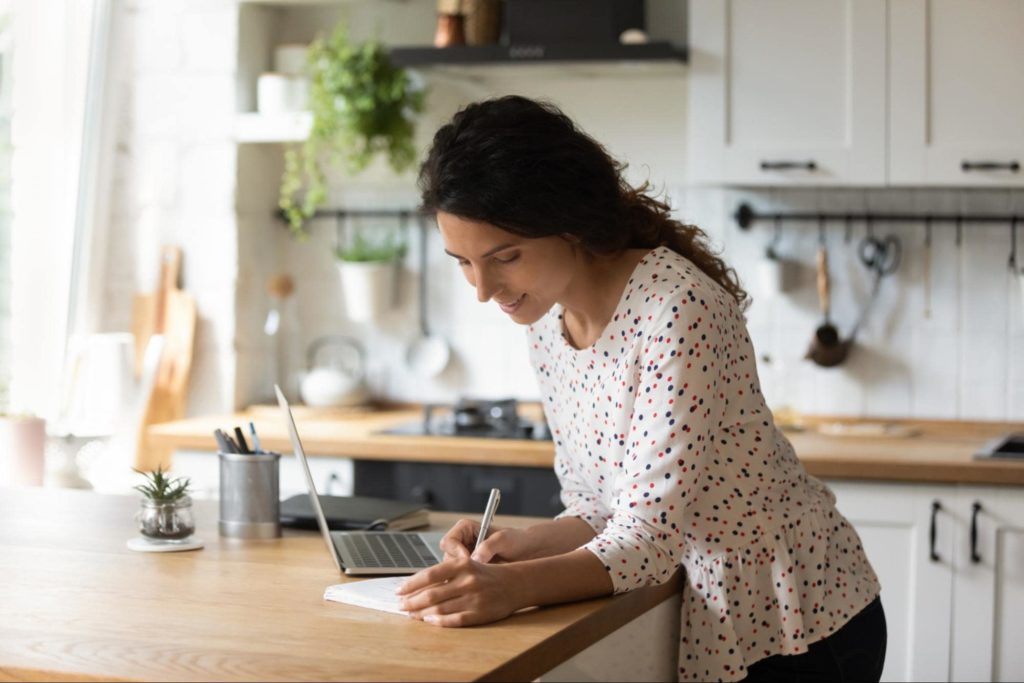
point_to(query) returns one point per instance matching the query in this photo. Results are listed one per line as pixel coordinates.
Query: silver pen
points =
(485, 524)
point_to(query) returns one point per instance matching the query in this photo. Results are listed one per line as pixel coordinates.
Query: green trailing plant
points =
(160, 488)
(362, 105)
(362, 250)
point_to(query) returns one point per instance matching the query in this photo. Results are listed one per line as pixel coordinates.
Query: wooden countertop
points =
(78, 605)
(830, 447)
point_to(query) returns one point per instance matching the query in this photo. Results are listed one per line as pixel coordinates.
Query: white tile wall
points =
(181, 178)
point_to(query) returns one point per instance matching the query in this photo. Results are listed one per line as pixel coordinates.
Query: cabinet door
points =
(787, 93)
(894, 523)
(956, 92)
(988, 593)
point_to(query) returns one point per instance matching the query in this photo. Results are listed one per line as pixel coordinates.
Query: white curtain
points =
(61, 152)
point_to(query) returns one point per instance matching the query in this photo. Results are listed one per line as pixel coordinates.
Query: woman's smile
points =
(510, 307)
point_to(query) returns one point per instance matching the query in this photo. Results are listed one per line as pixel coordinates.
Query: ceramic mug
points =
(277, 93)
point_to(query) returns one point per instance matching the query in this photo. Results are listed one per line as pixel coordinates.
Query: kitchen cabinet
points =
(856, 92)
(955, 609)
(956, 92)
(788, 92)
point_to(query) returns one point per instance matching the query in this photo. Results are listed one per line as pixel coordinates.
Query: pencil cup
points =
(250, 504)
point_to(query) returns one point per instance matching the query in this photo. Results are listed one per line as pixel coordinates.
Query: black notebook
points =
(353, 512)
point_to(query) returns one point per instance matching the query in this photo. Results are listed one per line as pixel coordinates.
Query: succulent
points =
(162, 489)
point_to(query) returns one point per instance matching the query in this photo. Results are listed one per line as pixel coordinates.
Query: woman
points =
(667, 455)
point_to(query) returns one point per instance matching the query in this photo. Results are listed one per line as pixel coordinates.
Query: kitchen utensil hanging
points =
(427, 355)
(881, 256)
(927, 268)
(827, 348)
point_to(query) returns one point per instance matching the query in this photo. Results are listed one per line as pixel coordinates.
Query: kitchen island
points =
(77, 604)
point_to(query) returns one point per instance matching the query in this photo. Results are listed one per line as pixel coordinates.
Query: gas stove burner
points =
(480, 418)
(471, 413)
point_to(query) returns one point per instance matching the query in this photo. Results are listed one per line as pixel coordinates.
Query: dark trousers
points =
(856, 652)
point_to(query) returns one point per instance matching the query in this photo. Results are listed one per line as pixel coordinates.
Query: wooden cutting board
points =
(170, 312)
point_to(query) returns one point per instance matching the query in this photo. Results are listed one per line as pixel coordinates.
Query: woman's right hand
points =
(501, 545)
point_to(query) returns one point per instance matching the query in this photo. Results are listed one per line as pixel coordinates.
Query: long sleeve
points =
(676, 412)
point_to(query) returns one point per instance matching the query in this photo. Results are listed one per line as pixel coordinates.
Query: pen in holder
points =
(250, 505)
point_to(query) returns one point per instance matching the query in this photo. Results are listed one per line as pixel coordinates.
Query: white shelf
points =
(270, 128)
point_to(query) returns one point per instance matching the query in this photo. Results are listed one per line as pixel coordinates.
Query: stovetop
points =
(477, 418)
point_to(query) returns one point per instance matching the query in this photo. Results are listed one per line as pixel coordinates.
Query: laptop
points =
(363, 553)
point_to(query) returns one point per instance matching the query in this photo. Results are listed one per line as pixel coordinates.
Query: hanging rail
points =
(746, 216)
(361, 213)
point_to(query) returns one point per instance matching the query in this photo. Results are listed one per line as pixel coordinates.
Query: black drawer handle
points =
(932, 531)
(968, 166)
(788, 165)
(975, 509)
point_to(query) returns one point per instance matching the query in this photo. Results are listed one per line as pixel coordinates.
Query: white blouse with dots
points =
(664, 445)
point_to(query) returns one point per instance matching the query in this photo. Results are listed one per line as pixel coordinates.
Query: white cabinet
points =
(956, 92)
(856, 92)
(949, 617)
(894, 524)
(788, 92)
(988, 592)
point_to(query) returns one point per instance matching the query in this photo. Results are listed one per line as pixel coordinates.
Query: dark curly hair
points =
(525, 167)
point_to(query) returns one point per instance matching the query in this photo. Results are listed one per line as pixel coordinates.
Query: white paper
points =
(378, 594)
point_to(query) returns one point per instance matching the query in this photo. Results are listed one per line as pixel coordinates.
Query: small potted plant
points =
(362, 106)
(165, 511)
(368, 270)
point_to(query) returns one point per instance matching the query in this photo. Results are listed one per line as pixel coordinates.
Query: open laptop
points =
(365, 552)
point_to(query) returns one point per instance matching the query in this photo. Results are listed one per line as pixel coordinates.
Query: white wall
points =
(181, 178)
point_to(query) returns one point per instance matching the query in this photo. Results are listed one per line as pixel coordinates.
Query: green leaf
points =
(362, 106)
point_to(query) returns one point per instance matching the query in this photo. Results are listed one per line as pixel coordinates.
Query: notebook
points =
(376, 594)
(354, 512)
(365, 552)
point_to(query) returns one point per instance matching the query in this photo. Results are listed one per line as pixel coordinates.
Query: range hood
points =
(662, 51)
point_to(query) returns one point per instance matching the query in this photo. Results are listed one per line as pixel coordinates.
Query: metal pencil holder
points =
(250, 504)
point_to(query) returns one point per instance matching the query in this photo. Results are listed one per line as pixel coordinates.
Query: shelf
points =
(254, 127)
(487, 55)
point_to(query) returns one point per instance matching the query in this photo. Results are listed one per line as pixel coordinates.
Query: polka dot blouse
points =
(664, 445)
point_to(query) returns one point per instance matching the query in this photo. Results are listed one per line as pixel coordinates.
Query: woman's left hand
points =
(462, 592)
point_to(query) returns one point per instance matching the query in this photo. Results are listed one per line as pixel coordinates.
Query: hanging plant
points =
(362, 105)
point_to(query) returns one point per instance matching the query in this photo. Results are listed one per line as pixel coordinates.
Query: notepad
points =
(378, 594)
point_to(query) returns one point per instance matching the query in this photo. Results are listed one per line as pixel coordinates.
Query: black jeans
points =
(856, 652)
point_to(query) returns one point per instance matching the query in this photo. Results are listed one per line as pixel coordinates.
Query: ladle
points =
(428, 354)
(827, 348)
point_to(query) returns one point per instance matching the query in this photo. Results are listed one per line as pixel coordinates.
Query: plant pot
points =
(166, 521)
(22, 449)
(368, 288)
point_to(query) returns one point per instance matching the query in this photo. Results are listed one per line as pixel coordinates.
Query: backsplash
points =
(963, 359)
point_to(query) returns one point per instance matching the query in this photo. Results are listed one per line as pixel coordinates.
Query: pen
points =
(485, 524)
(257, 448)
(242, 445)
(222, 441)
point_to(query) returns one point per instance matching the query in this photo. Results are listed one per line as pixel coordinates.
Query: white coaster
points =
(148, 545)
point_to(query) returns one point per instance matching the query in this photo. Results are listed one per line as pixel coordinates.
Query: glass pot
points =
(166, 520)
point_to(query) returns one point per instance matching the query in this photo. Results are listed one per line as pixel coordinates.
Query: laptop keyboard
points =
(386, 549)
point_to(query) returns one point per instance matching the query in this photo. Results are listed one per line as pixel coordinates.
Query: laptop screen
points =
(314, 497)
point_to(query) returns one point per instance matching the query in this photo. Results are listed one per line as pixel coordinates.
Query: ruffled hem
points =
(777, 595)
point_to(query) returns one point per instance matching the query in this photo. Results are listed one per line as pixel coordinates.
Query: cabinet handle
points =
(968, 166)
(936, 506)
(788, 165)
(975, 509)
